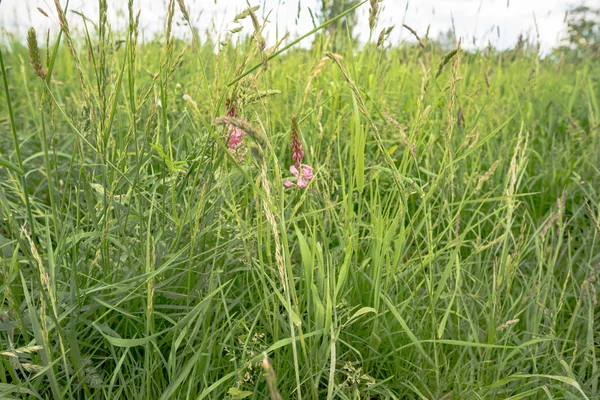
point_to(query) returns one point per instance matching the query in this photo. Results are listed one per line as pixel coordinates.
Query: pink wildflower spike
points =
(302, 172)
(230, 106)
(235, 142)
(296, 142)
(235, 135)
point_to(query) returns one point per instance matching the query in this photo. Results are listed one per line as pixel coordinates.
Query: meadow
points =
(444, 244)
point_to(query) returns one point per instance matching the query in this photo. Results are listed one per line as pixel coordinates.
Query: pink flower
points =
(235, 144)
(303, 176)
(302, 172)
(307, 171)
(236, 136)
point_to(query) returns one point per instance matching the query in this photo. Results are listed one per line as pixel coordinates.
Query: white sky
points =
(476, 21)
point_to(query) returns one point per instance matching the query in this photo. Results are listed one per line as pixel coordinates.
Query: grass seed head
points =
(485, 177)
(414, 33)
(34, 54)
(271, 378)
(184, 10)
(374, 10)
(244, 14)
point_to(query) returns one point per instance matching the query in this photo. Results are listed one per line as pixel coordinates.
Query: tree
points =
(332, 8)
(583, 29)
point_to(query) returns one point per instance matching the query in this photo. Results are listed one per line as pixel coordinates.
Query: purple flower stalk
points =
(235, 143)
(302, 172)
(297, 152)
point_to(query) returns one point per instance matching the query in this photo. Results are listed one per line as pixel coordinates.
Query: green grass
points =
(447, 246)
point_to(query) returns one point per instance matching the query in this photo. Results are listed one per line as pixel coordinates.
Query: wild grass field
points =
(445, 244)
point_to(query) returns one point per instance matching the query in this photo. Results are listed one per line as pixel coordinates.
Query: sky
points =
(477, 22)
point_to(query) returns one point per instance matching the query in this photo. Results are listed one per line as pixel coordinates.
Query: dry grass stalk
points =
(279, 42)
(12, 308)
(460, 119)
(385, 32)
(517, 163)
(472, 138)
(350, 83)
(169, 28)
(316, 73)
(187, 98)
(381, 38)
(64, 26)
(424, 82)
(271, 378)
(592, 215)
(561, 203)
(486, 176)
(414, 33)
(548, 224)
(556, 216)
(507, 324)
(457, 225)
(588, 285)
(260, 40)
(134, 23)
(245, 126)
(455, 78)
(44, 277)
(400, 128)
(487, 79)
(177, 61)
(184, 11)
(41, 10)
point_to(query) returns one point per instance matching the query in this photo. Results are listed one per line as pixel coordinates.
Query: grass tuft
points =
(445, 247)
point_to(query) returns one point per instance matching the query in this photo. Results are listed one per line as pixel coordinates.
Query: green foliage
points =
(583, 33)
(447, 245)
(583, 26)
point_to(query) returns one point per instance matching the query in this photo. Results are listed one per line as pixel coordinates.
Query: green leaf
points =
(359, 148)
(120, 342)
(236, 393)
(8, 165)
(343, 275)
(569, 381)
(359, 313)
(6, 388)
(183, 374)
(416, 342)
